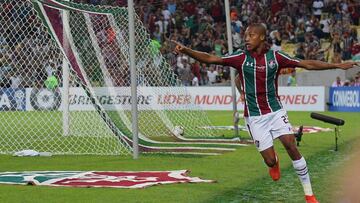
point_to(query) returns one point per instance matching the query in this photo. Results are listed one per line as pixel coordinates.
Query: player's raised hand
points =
(348, 65)
(179, 48)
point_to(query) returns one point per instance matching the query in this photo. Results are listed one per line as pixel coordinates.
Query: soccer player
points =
(266, 119)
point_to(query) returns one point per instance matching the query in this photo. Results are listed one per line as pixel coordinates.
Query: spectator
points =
(5, 70)
(220, 76)
(355, 50)
(184, 71)
(352, 82)
(347, 83)
(335, 45)
(354, 34)
(216, 8)
(190, 8)
(276, 40)
(194, 81)
(289, 30)
(292, 79)
(337, 82)
(162, 24)
(171, 6)
(325, 26)
(203, 46)
(219, 47)
(226, 73)
(354, 12)
(317, 31)
(157, 35)
(357, 80)
(300, 51)
(300, 33)
(276, 7)
(318, 5)
(212, 74)
(237, 40)
(15, 81)
(204, 74)
(195, 69)
(347, 42)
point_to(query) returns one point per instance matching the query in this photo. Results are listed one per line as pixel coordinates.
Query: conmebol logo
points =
(350, 98)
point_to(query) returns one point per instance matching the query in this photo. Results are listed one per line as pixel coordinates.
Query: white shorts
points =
(265, 128)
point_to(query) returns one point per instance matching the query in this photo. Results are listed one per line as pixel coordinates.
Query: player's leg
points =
(290, 145)
(299, 165)
(272, 161)
(269, 156)
(282, 129)
(259, 130)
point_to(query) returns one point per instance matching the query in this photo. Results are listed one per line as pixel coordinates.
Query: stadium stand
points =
(323, 30)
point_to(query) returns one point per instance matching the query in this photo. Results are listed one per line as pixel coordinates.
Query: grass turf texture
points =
(241, 175)
(47, 125)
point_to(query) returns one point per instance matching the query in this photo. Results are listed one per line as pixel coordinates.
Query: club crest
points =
(272, 64)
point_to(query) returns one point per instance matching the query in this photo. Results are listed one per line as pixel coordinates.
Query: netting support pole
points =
(134, 107)
(337, 132)
(232, 70)
(65, 76)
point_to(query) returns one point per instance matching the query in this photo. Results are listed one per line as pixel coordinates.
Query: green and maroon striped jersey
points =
(258, 75)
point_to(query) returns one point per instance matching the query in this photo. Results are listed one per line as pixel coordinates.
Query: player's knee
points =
(270, 161)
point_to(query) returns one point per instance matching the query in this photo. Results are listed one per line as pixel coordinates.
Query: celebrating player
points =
(266, 119)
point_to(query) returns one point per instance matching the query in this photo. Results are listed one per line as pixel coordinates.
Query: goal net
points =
(65, 81)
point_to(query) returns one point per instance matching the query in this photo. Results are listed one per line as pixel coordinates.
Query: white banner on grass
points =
(160, 98)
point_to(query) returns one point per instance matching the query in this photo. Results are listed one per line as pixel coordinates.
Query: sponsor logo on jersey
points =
(251, 64)
(261, 68)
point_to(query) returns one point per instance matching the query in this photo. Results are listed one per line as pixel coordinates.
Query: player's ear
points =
(262, 37)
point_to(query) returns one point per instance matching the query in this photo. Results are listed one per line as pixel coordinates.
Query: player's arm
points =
(238, 87)
(200, 56)
(319, 65)
(286, 61)
(238, 83)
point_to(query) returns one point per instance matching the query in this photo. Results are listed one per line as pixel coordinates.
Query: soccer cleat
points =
(311, 199)
(275, 170)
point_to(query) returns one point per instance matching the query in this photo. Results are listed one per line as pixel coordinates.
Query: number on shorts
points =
(285, 119)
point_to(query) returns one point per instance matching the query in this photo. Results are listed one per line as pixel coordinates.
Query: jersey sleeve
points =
(286, 61)
(235, 60)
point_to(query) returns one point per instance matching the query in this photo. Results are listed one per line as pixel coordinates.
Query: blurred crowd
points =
(322, 30)
(26, 57)
(351, 82)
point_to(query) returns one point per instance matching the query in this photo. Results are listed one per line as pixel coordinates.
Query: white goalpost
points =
(65, 77)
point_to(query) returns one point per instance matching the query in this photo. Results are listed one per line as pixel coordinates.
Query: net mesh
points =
(32, 93)
(31, 81)
(106, 51)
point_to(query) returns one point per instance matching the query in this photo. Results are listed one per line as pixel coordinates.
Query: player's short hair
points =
(261, 27)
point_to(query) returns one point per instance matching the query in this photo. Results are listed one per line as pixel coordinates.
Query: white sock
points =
(303, 173)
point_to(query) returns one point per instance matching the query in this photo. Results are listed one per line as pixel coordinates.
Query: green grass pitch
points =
(241, 175)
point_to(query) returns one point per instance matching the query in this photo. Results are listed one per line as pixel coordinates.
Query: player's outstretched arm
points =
(200, 56)
(238, 87)
(319, 65)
